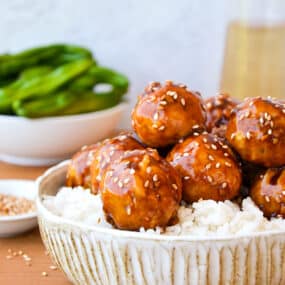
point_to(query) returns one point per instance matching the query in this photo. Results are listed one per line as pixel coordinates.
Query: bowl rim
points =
(77, 117)
(21, 217)
(58, 220)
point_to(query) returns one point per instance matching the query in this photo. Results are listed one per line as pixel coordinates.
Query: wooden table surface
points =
(15, 271)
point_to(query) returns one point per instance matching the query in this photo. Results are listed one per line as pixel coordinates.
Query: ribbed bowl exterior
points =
(90, 256)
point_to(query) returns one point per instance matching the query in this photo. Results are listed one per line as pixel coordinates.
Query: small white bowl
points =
(94, 255)
(48, 140)
(14, 225)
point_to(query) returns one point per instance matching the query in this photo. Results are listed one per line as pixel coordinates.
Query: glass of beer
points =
(254, 55)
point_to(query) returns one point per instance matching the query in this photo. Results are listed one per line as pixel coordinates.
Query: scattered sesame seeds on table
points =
(23, 259)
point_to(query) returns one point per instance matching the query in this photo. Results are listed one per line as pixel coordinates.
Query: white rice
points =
(203, 218)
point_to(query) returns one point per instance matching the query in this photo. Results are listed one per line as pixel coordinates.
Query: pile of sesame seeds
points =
(11, 205)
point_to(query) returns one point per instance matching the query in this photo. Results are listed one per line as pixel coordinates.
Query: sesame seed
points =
(174, 186)
(267, 199)
(248, 136)
(163, 103)
(182, 101)
(269, 132)
(213, 146)
(195, 127)
(120, 184)
(126, 180)
(196, 134)
(155, 178)
(251, 103)
(224, 146)
(132, 171)
(218, 164)
(209, 105)
(175, 96)
(181, 141)
(155, 116)
(122, 137)
(228, 164)
(209, 178)
(283, 192)
(186, 177)
(146, 184)
(44, 274)
(211, 157)
(205, 140)
(161, 128)
(53, 267)
(148, 169)
(171, 93)
(185, 154)
(233, 136)
(26, 257)
(261, 120)
(283, 111)
(226, 154)
(155, 126)
(224, 185)
(128, 210)
(208, 166)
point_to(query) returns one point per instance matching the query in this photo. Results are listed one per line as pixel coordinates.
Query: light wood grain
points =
(14, 271)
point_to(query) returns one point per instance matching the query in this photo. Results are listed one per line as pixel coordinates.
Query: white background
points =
(148, 40)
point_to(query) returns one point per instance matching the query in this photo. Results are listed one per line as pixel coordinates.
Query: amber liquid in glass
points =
(254, 61)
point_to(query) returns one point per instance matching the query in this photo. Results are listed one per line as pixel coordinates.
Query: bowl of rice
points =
(213, 242)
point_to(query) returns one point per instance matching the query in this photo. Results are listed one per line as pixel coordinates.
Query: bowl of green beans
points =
(51, 103)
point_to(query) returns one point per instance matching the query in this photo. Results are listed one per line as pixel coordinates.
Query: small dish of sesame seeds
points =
(17, 207)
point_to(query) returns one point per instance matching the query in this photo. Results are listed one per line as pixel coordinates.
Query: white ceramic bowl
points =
(92, 255)
(14, 225)
(48, 140)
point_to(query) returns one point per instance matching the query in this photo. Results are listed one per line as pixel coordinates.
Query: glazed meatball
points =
(218, 110)
(78, 172)
(268, 192)
(164, 114)
(256, 130)
(109, 151)
(141, 190)
(208, 167)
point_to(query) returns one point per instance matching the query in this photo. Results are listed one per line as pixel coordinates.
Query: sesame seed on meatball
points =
(256, 130)
(268, 192)
(110, 150)
(208, 167)
(140, 190)
(166, 113)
